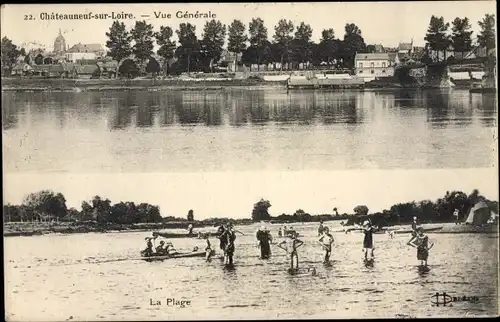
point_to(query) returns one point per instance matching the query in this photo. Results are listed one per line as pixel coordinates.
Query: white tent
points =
(479, 214)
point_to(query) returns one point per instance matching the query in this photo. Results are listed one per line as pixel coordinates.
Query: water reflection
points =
(294, 130)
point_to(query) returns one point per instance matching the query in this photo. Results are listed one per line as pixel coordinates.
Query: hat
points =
(162, 242)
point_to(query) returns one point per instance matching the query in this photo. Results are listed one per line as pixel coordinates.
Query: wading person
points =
(320, 228)
(227, 238)
(368, 239)
(326, 240)
(264, 239)
(220, 234)
(290, 245)
(209, 252)
(423, 245)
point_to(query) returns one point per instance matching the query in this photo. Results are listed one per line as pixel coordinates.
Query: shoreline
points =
(28, 229)
(10, 84)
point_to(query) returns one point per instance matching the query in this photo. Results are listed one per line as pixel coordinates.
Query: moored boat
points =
(183, 235)
(172, 256)
(409, 231)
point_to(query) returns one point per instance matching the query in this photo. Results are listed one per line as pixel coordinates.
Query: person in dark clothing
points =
(220, 234)
(422, 244)
(229, 236)
(264, 238)
(368, 239)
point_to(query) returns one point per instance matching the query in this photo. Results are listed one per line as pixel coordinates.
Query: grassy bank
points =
(56, 84)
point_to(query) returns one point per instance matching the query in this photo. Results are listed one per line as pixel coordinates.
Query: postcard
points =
(250, 160)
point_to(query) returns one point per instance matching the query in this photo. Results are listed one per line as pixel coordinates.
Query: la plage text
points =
(124, 15)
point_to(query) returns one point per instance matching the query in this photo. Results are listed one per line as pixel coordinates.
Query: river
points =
(244, 130)
(98, 277)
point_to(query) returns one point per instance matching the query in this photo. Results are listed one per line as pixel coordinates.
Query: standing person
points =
(455, 214)
(290, 245)
(208, 249)
(368, 239)
(279, 232)
(326, 240)
(190, 229)
(414, 226)
(421, 242)
(264, 238)
(229, 236)
(320, 228)
(220, 234)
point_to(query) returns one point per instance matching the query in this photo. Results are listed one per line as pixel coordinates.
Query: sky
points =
(232, 194)
(386, 23)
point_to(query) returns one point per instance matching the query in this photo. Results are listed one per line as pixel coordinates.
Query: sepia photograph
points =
(223, 161)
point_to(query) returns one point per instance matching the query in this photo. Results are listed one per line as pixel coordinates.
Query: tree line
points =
(288, 46)
(439, 38)
(427, 211)
(47, 205)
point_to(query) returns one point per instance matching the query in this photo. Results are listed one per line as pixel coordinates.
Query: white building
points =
(84, 52)
(373, 65)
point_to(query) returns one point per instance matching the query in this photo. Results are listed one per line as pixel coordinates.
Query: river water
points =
(183, 131)
(98, 277)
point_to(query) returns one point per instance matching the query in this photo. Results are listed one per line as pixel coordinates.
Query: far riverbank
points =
(97, 85)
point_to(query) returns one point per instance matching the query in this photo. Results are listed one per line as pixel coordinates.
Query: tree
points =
(260, 210)
(486, 37)
(48, 61)
(370, 48)
(361, 210)
(237, 39)
(258, 40)
(27, 59)
(302, 43)
(283, 37)
(129, 68)
(353, 43)
(118, 43)
(167, 46)
(10, 53)
(142, 34)
(101, 209)
(436, 37)
(461, 37)
(214, 33)
(153, 66)
(46, 202)
(189, 45)
(39, 59)
(190, 216)
(329, 45)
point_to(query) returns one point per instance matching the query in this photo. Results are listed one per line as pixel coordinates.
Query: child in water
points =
(290, 245)
(421, 242)
(326, 241)
(208, 249)
(368, 239)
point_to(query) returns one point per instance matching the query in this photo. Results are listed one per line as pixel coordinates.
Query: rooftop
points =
(372, 56)
(85, 48)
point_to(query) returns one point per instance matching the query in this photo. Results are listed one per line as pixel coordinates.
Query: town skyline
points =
(388, 33)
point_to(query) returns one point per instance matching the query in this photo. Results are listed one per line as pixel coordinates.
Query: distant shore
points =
(12, 84)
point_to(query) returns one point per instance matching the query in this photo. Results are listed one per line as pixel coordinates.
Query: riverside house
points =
(373, 65)
(86, 71)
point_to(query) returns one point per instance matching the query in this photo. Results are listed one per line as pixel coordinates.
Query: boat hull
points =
(186, 235)
(179, 255)
(409, 231)
(469, 229)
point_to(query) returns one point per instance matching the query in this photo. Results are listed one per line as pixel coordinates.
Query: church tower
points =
(60, 43)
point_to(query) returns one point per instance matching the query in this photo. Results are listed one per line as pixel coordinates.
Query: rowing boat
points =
(182, 235)
(175, 255)
(409, 231)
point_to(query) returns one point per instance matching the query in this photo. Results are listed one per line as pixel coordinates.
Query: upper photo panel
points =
(102, 88)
